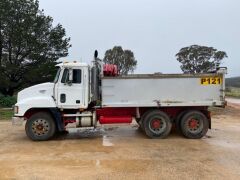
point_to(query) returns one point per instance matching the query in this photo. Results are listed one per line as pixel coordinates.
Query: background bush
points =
(7, 101)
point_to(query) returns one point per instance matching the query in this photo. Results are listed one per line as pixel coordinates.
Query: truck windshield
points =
(57, 75)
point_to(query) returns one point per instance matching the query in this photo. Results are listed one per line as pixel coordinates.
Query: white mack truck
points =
(87, 96)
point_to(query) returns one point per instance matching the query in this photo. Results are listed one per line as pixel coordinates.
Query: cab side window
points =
(77, 76)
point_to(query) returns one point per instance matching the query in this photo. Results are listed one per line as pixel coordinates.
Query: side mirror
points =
(70, 77)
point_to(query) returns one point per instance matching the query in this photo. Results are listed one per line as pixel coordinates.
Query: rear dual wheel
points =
(194, 125)
(156, 124)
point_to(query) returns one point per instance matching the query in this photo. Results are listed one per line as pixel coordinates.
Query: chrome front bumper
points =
(17, 121)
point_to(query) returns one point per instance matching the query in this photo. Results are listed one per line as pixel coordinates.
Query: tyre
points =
(178, 121)
(194, 125)
(140, 122)
(157, 124)
(40, 127)
(141, 126)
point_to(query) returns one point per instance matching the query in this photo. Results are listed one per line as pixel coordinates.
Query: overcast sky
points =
(154, 30)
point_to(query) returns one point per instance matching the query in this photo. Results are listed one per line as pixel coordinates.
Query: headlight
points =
(15, 109)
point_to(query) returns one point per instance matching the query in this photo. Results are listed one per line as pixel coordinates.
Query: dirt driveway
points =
(124, 153)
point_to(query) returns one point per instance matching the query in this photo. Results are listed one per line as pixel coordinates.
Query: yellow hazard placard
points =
(211, 80)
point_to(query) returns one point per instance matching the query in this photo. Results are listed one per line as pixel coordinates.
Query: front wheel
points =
(40, 127)
(194, 125)
(157, 124)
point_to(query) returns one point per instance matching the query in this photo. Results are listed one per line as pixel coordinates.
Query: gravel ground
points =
(123, 152)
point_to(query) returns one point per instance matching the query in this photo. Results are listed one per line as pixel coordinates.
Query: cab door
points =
(70, 91)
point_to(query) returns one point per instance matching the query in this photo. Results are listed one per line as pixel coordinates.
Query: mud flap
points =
(58, 118)
(210, 123)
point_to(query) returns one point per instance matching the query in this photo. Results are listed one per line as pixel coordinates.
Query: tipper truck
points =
(85, 95)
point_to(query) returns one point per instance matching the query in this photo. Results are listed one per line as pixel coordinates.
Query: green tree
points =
(29, 45)
(124, 59)
(198, 59)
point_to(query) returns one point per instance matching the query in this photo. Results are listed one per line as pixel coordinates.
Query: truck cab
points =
(69, 90)
(71, 86)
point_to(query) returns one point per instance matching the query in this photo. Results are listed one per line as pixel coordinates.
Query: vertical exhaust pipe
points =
(96, 71)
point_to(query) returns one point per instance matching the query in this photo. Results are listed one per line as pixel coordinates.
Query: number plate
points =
(211, 80)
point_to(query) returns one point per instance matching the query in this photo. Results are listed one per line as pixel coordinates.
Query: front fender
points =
(34, 102)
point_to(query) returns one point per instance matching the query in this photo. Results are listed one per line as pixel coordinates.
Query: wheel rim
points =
(40, 127)
(194, 125)
(157, 126)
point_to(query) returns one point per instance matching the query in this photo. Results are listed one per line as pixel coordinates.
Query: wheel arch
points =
(54, 113)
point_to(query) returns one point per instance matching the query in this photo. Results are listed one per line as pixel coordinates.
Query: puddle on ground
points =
(206, 137)
(92, 133)
(82, 133)
(97, 162)
(110, 128)
(106, 141)
(223, 143)
(227, 144)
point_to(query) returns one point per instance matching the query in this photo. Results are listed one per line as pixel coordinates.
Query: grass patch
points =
(233, 92)
(233, 82)
(6, 114)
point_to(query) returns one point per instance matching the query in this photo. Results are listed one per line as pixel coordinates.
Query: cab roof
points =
(72, 64)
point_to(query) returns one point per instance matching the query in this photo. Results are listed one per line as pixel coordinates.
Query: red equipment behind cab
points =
(110, 70)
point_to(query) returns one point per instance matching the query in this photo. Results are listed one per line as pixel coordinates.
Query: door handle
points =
(77, 101)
